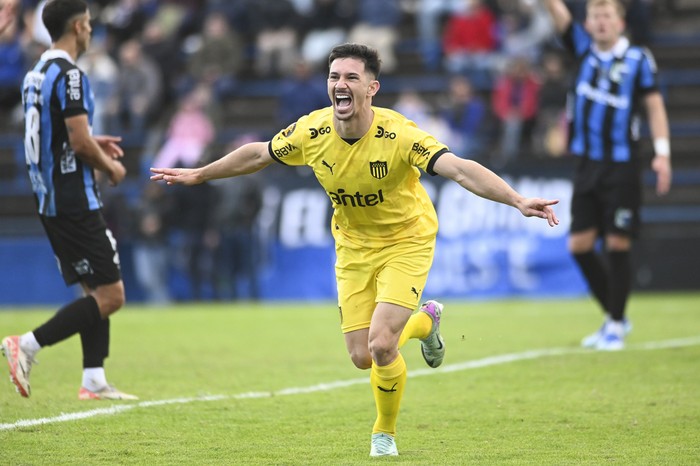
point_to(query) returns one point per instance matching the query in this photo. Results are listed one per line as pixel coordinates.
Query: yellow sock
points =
(388, 383)
(419, 325)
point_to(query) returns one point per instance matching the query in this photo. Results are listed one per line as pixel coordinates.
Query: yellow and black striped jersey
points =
(373, 182)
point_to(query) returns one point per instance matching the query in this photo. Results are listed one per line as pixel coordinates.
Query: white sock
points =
(616, 328)
(94, 378)
(29, 344)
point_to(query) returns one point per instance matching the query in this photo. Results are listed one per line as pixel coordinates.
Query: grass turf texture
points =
(631, 407)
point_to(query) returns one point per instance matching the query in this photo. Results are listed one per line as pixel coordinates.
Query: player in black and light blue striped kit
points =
(613, 80)
(61, 156)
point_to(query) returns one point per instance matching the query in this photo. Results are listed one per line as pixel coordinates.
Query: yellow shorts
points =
(366, 276)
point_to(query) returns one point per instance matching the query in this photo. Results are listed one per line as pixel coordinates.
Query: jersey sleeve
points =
(576, 39)
(286, 146)
(647, 72)
(423, 148)
(73, 92)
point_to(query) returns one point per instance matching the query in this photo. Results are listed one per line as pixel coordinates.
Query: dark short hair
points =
(57, 14)
(367, 55)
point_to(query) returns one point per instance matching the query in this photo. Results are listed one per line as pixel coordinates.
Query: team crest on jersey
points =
(290, 129)
(378, 169)
(617, 70)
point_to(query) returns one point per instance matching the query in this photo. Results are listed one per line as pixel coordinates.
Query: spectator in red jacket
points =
(515, 101)
(470, 39)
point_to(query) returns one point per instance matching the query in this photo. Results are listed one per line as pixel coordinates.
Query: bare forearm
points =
(658, 119)
(485, 183)
(92, 154)
(481, 181)
(561, 16)
(248, 158)
(86, 147)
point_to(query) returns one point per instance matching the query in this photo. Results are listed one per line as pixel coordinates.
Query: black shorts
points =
(607, 196)
(84, 248)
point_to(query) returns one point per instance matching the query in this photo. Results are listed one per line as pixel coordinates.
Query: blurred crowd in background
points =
(164, 71)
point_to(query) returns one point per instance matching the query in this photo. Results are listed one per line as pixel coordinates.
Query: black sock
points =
(95, 342)
(596, 275)
(620, 283)
(69, 320)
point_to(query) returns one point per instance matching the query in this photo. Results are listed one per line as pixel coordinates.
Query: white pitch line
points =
(323, 387)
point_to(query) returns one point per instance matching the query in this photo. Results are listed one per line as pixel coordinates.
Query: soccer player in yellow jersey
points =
(368, 159)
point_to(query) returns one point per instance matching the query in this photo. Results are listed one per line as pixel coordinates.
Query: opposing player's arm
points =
(246, 159)
(561, 16)
(658, 124)
(481, 181)
(89, 150)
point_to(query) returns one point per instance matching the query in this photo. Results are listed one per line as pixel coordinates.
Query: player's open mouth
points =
(343, 100)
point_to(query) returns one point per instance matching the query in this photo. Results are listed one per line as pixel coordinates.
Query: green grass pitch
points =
(270, 383)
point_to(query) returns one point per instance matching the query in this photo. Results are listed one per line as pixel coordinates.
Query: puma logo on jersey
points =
(330, 167)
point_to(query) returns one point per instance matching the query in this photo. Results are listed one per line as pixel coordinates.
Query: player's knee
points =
(361, 359)
(582, 242)
(617, 243)
(382, 350)
(110, 298)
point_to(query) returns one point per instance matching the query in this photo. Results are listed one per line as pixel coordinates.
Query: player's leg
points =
(357, 290)
(408, 271)
(582, 248)
(622, 203)
(618, 249)
(418, 326)
(596, 274)
(400, 282)
(95, 345)
(586, 214)
(106, 287)
(387, 375)
(612, 334)
(68, 236)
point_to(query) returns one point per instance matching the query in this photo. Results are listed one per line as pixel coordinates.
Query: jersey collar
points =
(52, 54)
(618, 50)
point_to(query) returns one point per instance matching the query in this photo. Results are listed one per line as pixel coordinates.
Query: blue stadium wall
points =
(484, 250)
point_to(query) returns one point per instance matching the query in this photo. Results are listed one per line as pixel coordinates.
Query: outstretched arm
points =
(560, 14)
(248, 158)
(484, 183)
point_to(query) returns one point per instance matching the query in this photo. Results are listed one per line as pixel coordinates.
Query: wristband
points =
(662, 147)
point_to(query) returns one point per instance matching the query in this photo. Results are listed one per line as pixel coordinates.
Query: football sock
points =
(69, 320)
(419, 325)
(29, 344)
(596, 276)
(620, 283)
(388, 383)
(95, 343)
(94, 378)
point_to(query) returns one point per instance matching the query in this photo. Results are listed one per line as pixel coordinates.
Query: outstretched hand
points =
(184, 176)
(538, 207)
